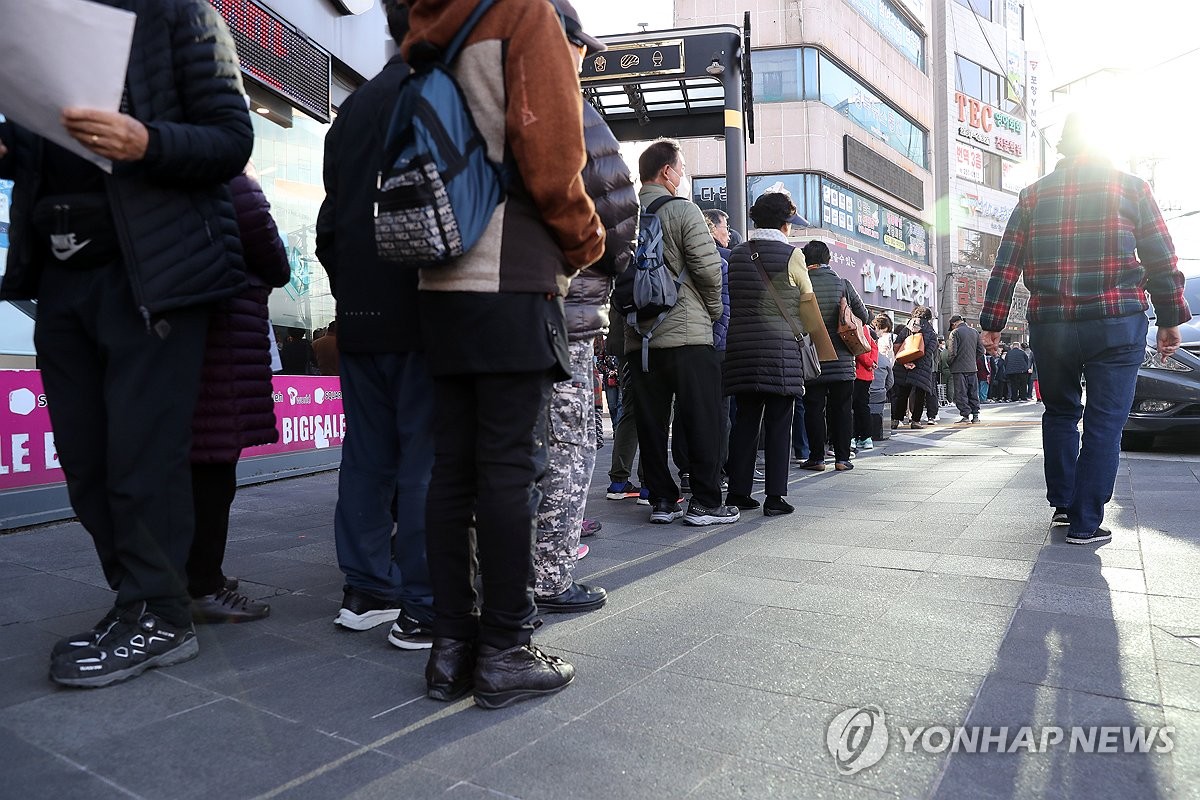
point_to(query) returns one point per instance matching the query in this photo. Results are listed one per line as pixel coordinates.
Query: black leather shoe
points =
(227, 606)
(448, 673)
(776, 506)
(578, 597)
(743, 501)
(504, 677)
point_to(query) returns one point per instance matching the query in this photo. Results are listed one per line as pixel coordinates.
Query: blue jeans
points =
(387, 457)
(983, 391)
(1107, 352)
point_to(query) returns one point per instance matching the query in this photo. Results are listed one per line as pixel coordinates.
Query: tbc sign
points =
(989, 126)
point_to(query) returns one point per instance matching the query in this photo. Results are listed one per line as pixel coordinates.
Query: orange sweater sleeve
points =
(545, 132)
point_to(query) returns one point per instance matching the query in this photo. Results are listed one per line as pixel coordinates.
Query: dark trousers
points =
(490, 455)
(121, 399)
(774, 413)
(966, 393)
(679, 441)
(625, 436)
(861, 404)
(1018, 386)
(827, 406)
(387, 457)
(799, 432)
(907, 396)
(213, 488)
(693, 375)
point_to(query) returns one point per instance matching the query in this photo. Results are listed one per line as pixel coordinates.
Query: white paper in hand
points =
(60, 53)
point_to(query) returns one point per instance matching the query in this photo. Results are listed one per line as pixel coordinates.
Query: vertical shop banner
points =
(28, 456)
(308, 415)
(968, 162)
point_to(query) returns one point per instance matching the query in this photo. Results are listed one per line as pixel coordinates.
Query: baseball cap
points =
(956, 318)
(574, 30)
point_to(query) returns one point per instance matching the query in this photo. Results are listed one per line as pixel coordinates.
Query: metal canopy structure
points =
(683, 83)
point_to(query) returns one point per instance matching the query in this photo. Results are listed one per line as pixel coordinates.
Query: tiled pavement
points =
(926, 582)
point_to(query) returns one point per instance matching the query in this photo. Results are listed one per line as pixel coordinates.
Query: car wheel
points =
(1136, 440)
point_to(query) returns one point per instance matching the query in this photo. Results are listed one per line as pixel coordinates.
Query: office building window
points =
(891, 23)
(979, 82)
(976, 249)
(981, 7)
(798, 74)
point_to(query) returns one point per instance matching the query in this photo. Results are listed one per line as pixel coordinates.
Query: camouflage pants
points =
(572, 446)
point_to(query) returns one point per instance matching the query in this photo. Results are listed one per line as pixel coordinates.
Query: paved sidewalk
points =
(926, 583)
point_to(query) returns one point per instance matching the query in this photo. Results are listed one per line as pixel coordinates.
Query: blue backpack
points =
(438, 190)
(648, 290)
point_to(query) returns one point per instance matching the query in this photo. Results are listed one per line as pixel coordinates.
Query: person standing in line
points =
(125, 268)
(983, 372)
(379, 522)
(1089, 242)
(963, 353)
(1017, 369)
(235, 408)
(297, 354)
(325, 350)
(493, 326)
(683, 365)
(914, 380)
(572, 438)
(763, 369)
(828, 398)
(864, 375)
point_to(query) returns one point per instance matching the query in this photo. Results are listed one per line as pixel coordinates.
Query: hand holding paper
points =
(109, 134)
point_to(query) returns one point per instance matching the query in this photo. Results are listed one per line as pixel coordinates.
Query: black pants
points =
(691, 374)
(625, 440)
(679, 441)
(828, 404)
(121, 398)
(213, 488)
(907, 396)
(862, 409)
(774, 412)
(489, 456)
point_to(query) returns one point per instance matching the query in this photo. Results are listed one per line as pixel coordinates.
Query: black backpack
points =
(648, 290)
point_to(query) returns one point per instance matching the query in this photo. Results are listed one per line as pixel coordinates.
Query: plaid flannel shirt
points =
(1072, 237)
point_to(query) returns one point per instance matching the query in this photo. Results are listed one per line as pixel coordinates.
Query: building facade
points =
(988, 146)
(844, 112)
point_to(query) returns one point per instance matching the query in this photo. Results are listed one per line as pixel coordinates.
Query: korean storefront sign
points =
(308, 416)
(968, 162)
(880, 281)
(990, 127)
(982, 209)
(846, 211)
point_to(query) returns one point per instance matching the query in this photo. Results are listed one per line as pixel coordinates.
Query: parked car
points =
(1167, 398)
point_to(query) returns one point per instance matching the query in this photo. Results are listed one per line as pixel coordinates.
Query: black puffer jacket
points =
(172, 211)
(607, 181)
(761, 355)
(830, 288)
(921, 375)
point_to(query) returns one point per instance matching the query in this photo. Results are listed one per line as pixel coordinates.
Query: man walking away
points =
(1089, 241)
(683, 365)
(964, 352)
(387, 455)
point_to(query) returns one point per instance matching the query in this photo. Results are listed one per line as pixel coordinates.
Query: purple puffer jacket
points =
(235, 408)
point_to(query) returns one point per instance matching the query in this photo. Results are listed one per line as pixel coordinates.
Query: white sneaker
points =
(867, 444)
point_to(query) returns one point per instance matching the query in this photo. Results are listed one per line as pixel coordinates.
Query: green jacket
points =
(688, 248)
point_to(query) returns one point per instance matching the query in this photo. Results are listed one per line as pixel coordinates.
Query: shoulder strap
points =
(658, 202)
(797, 331)
(451, 51)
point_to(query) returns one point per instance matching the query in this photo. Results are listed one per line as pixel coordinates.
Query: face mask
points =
(684, 189)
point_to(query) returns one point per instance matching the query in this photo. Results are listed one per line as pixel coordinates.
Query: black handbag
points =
(809, 360)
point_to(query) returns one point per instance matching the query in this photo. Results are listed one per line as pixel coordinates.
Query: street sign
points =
(634, 60)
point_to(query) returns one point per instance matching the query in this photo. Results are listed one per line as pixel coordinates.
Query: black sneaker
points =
(227, 606)
(408, 634)
(964, 418)
(721, 515)
(87, 638)
(361, 611)
(975, 418)
(1060, 516)
(665, 512)
(744, 502)
(136, 641)
(504, 677)
(1095, 537)
(685, 483)
(450, 669)
(776, 506)
(620, 491)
